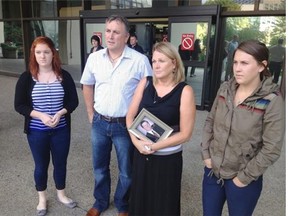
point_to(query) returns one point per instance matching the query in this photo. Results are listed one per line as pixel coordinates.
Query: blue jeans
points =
(240, 201)
(43, 143)
(103, 134)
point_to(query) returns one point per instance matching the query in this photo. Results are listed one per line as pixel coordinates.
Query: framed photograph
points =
(149, 127)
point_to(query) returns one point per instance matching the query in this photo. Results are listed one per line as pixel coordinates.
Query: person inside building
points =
(195, 55)
(232, 45)
(243, 134)
(133, 43)
(157, 167)
(277, 57)
(96, 45)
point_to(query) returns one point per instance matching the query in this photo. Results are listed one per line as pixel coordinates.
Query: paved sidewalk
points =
(17, 191)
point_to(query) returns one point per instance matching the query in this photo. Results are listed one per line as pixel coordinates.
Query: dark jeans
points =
(275, 69)
(104, 134)
(43, 143)
(240, 201)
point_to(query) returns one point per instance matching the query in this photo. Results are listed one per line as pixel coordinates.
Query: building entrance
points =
(192, 32)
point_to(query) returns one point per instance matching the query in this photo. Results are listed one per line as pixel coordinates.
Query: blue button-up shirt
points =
(115, 85)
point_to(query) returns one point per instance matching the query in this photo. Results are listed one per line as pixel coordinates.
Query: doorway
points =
(175, 25)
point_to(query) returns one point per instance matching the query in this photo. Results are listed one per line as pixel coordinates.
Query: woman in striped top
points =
(46, 95)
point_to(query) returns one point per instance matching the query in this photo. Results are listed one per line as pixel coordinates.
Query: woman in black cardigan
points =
(46, 96)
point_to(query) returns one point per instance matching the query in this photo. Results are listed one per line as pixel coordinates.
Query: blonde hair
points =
(171, 52)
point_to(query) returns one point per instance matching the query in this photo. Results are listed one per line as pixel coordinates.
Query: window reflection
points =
(272, 5)
(265, 29)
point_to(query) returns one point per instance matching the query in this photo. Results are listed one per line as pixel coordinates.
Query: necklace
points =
(113, 60)
(46, 78)
(155, 97)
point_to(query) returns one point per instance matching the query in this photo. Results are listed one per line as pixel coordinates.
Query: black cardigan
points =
(23, 98)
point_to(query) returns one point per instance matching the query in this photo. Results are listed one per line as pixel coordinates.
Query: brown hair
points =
(56, 63)
(259, 51)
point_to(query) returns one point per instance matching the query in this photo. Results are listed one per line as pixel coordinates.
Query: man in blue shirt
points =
(109, 80)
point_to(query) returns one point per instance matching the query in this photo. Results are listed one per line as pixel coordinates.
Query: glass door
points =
(192, 36)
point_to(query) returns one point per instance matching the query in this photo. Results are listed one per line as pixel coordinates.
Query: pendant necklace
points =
(113, 60)
(155, 97)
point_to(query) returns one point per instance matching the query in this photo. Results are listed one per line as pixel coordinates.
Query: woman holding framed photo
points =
(157, 170)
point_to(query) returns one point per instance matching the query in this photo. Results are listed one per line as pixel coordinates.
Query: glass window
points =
(272, 5)
(120, 4)
(46, 8)
(236, 5)
(10, 9)
(65, 35)
(69, 8)
(265, 29)
(11, 40)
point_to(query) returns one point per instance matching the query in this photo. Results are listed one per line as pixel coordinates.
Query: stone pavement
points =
(17, 191)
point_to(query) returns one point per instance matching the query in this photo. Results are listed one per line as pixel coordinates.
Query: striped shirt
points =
(47, 98)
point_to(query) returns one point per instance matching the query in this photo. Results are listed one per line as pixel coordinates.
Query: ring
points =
(147, 148)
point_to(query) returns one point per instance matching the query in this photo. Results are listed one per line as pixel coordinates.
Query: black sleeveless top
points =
(166, 108)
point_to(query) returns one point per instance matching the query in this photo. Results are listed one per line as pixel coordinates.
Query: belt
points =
(111, 119)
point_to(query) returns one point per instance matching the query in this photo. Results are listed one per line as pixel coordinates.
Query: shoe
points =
(41, 212)
(93, 212)
(123, 214)
(71, 204)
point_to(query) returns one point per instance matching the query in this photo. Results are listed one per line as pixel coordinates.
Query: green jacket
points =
(244, 141)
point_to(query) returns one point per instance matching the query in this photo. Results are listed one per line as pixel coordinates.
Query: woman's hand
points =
(55, 120)
(238, 183)
(208, 163)
(144, 147)
(46, 119)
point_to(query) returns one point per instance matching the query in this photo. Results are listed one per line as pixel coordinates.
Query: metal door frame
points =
(134, 15)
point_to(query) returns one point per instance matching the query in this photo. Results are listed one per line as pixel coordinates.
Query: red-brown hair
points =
(56, 62)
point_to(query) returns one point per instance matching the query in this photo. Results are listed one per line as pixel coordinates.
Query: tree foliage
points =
(250, 28)
(228, 5)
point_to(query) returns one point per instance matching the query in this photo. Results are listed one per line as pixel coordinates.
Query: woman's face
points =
(43, 55)
(162, 65)
(246, 69)
(94, 43)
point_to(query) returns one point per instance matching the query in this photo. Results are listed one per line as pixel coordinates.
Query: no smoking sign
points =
(187, 42)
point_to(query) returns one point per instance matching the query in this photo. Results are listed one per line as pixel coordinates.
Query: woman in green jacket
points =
(243, 134)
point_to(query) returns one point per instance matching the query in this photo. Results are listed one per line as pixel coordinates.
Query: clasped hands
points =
(49, 120)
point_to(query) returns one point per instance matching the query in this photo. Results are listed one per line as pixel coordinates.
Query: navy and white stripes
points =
(47, 98)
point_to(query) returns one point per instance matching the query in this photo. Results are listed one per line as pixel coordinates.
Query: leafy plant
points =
(8, 46)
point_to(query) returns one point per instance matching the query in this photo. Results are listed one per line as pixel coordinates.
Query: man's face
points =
(146, 126)
(116, 35)
(133, 40)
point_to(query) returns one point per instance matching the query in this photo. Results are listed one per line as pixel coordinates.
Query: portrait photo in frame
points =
(149, 127)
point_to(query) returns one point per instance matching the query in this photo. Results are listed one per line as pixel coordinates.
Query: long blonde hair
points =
(171, 52)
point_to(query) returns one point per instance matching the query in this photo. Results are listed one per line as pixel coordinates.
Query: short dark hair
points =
(95, 37)
(143, 121)
(280, 41)
(120, 19)
(133, 35)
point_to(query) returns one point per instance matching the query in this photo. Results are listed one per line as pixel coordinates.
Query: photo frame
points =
(147, 126)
